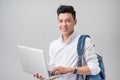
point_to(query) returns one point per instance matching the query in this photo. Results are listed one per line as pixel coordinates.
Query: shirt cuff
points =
(95, 69)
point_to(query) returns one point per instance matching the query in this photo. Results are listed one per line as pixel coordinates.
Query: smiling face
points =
(66, 23)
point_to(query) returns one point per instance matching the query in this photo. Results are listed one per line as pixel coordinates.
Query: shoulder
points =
(88, 40)
(54, 43)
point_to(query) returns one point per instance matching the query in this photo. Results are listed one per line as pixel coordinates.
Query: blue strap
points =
(80, 50)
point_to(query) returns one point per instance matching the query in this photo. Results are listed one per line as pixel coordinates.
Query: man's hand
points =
(61, 70)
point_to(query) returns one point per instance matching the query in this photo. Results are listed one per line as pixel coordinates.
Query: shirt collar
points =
(70, 39)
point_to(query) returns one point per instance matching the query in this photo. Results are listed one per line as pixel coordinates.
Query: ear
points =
(75, 21)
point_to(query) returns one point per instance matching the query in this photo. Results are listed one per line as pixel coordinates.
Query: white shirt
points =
(65, 54)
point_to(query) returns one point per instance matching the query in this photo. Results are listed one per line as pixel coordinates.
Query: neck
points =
(65, 37)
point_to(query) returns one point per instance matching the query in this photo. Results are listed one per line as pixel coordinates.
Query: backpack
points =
(80, 50)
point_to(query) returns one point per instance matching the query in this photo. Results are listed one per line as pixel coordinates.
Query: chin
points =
(65, 33)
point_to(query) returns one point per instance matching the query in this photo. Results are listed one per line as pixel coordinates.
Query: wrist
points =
(75, 70)
(70, 70)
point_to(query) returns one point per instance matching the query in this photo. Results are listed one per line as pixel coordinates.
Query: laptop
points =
(33, 61)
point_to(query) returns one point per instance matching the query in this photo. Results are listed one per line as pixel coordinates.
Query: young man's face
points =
(66, 23)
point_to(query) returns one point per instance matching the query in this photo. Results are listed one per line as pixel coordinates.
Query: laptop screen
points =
(33, 60)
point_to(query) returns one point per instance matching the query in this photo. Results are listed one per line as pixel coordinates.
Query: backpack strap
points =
(80, 50)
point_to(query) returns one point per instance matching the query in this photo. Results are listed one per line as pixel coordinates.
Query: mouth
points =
(64, 29)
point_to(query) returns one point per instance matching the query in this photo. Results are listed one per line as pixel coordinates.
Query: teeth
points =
(64, 29)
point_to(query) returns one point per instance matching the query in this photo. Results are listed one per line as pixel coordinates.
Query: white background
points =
(34, 23)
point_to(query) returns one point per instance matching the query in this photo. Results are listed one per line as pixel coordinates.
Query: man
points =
(63, 51)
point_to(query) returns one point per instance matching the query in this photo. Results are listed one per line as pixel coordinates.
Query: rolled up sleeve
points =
(91, 57)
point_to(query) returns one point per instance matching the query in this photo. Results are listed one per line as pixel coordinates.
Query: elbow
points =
(94, 69)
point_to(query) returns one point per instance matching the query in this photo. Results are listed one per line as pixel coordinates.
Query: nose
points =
(64, 24)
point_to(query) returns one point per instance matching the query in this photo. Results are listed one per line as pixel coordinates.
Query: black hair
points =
(66, 9)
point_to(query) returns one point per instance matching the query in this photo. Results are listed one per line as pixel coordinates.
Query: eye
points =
(60, 21)
(68, 20)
